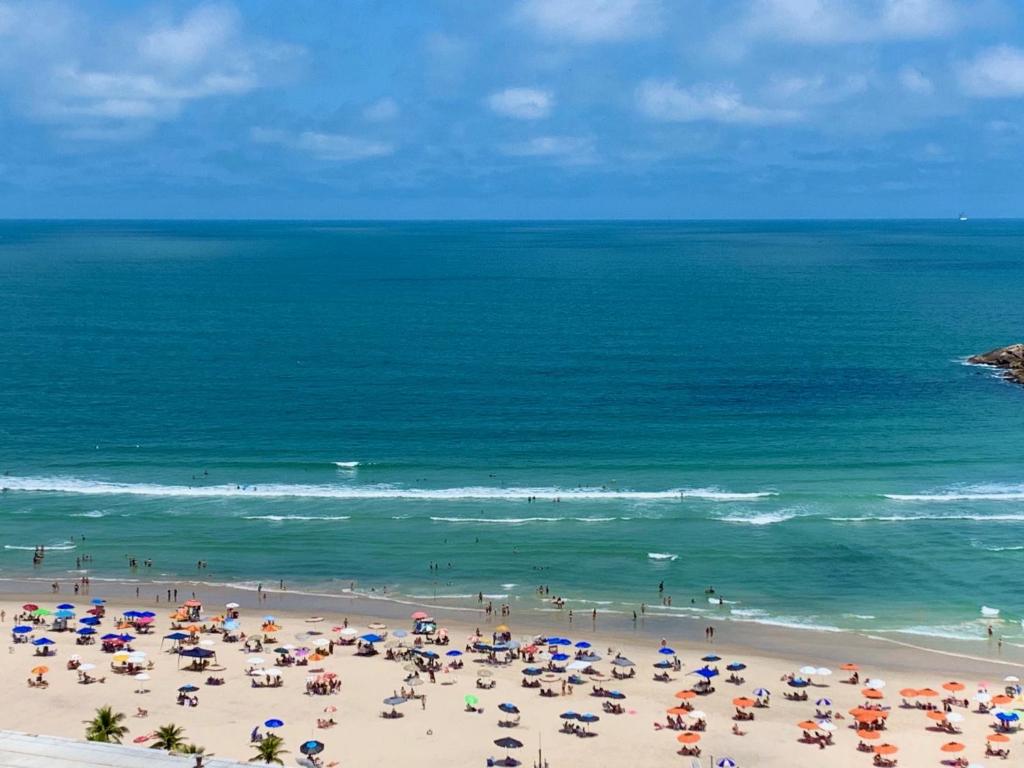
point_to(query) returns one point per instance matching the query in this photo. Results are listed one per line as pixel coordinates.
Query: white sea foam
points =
(991, 492)
(1001, 518)
(471, 493)
(518, 520)
(766, 518)
(662, 556)
(94, 513)
(1003, 549)
(282, 518)
(346, 464)
(48, 547)
(989, 612)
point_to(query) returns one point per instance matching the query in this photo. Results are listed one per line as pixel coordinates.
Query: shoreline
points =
(738, 637)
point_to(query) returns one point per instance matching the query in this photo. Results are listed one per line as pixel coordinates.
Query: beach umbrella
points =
(869, 735)
(1007, 717)
(711, 657)
(570, 715)
(823, 672)
(582, 644)
(577, 665)
(559, 641)
(62, 614)
(663, 664)
(231, 605)
(872, 693)
(688, 738)
(678, 711)
(471, 700)
(65, 607)
(908, 693)
(936, 715)
(507, 742)
(97, 601)
(453, 653)
(706, 672)
(886, 749)
(1001, 699)
(273, 723)
(41, 612)
(849, 667)
(30, 607)
(736, 666)
(142, 677)
(419, 615)
(176, 636)
(371, 638)
(697, 714)
(823, 703)
(807, 725)
(188, 688)
(808, 670)
(311, 747)
(685, 694)
(532, 671)
(1011, 679)
(926, 693)
(40, 641)
(512, 709)
(798, 683)
(588, 718)
(666, 651)
(21, 629)
(616, 695)
(622, 661)
(953, 686)
(394, 701)
(982, 697)
(762, 692)
(86, 631)
(192, 604)
(875, 683)
(559, 656)
(953, 746)
(955, 717)
(89, 621)
(999, 738)
(40, 670)
(825, 725)
(726, 762)
(743, 702)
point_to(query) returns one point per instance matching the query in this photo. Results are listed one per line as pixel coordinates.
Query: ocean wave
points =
(766, 518)
(991, 492)
(519, 520)
(471, 493)
(968, 632)
(65, 547)
(1003, 518)
(662, 556)
(282, 518)
(94, 513)
(346, 464)
(1003, 549)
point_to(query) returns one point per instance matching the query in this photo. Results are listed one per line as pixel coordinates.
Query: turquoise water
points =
(778, 409)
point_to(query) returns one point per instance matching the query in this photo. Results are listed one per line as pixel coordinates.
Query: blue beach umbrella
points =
(616, 695)
(712, 657)
(394, 701)
(798, 682)
(570, 715)
(65, 607)
(176, 636)
(311, 747)
(89, 621)
(823, 703)
(762, 692)
(147, 614)
(64, 614)
(86, 631)
(42, 641)
(230, 625)
(512, 709)
(707, 673)
(97, 601)
(736, 666)
(582, 644)
(273, 723)
(453, 653)
(21, 629)
(726, 762)
(588, 717)
(533, 671)
(559, 656)
(560, 641)
(111, 636)
(189, 688)
(1007, 717)
(132, 614)
(663, 665)
(126, 638)
(371, 638)
(666, 651)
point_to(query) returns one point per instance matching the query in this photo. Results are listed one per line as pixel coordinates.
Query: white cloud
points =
(338, 147)
(915, 81)
(666, 101)
(382, 110)
(576, 150)
(88, 79)
(521, 103)
(995, 72)
(842, 21)
(591, 21)
(814, 89)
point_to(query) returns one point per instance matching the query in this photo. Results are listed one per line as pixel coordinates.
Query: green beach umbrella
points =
(41, 612)
(471, 700)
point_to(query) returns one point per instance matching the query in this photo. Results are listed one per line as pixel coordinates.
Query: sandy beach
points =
(439, 725)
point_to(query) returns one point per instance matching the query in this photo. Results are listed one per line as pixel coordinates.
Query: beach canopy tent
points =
(197, 653)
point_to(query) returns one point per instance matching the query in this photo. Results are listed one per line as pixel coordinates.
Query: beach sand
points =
(442, 732)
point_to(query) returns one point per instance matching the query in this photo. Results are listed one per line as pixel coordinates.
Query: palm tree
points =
(269, 750)
(191, 749)
(169, 737)
(106, 726)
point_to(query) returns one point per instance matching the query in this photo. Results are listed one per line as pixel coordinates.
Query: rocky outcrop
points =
(1010, 359)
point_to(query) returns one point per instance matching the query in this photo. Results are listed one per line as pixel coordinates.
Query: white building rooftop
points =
(25, 750)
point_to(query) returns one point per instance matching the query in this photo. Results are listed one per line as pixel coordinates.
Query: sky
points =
(514, 109)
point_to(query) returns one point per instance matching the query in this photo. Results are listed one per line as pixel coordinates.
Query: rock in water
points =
(1010, 359)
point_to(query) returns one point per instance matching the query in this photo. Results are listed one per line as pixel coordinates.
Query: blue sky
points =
(516, 109)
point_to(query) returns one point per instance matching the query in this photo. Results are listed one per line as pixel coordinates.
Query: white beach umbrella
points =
(87, 668)
(808, 670)
(823, 672)
(321, 642)
(982, 697)
(878, 684)
(255, 660)
(577, 665)
(349, 632)
(697, 714)
(231, 605)
(825, 725)
(1011, 679)
(954, 717)
(142, 677)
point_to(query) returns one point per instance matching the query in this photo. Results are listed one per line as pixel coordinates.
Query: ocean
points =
(778, 410)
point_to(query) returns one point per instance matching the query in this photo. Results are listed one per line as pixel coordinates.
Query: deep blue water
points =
(745, 398)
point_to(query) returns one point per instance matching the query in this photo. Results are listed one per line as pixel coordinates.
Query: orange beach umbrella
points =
(40, 670)
(953, 685)
(688, 738)
(869, 735)
(1001, 699)
(886, 749)
(685, 694)
(850, 667)
(872, 693)
(936, 715)
(807, 725)
(1002, 738)
(743, 702)
(952, 746)
(927, 693)
(678, 711)
(909, 693)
